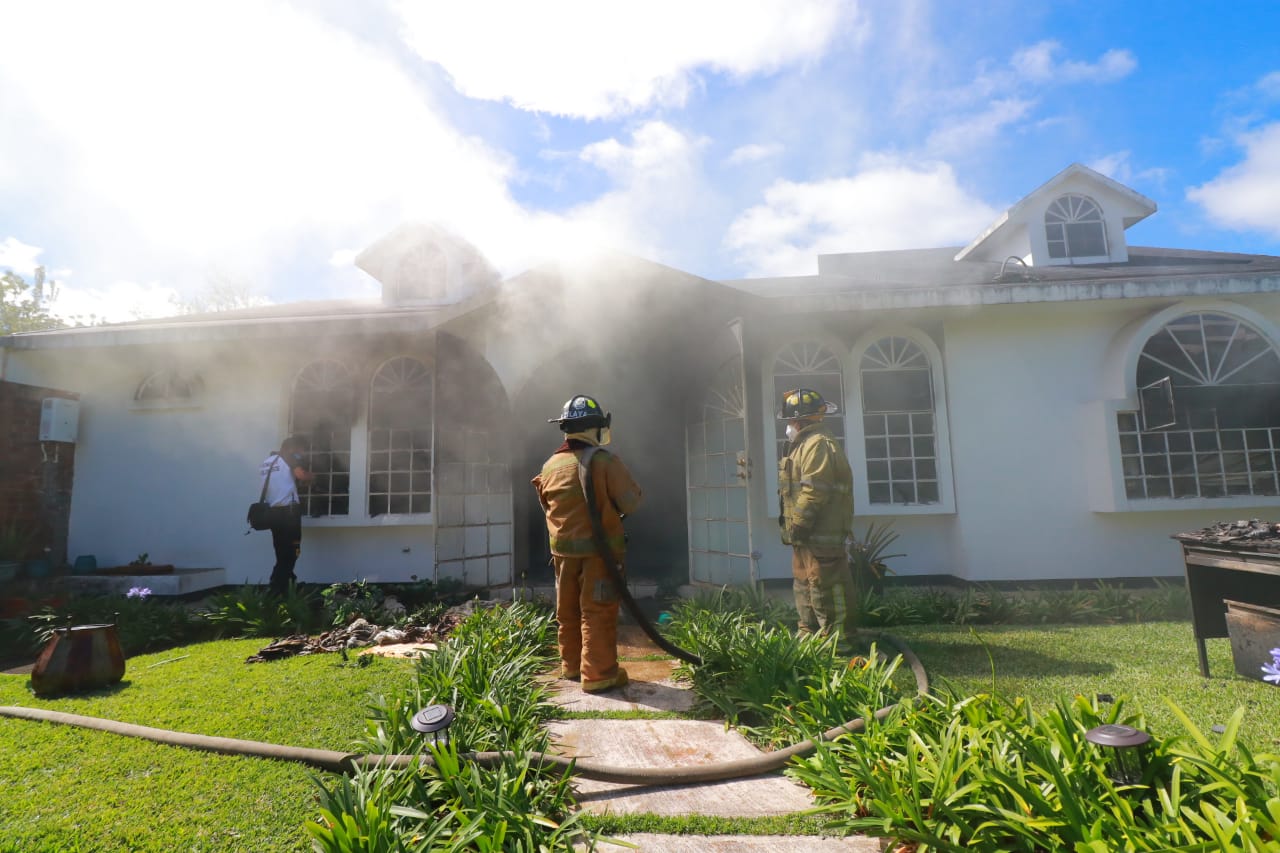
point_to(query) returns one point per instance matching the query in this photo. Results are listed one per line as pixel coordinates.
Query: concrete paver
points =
(673, 743)
(676, 743)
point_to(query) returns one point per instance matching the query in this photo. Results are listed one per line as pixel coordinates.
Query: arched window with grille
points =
(808, 364)
(1216, 382)
(1074, 228)
(400, 438)
(322, 410)
(899, 428)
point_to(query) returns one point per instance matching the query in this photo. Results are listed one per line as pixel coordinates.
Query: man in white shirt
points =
(287, 469)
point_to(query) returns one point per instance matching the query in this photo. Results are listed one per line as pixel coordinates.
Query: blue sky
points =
(152, 150)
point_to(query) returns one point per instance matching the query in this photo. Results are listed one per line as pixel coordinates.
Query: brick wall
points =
(34, 490)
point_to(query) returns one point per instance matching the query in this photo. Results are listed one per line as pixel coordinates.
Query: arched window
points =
(898, 423)
(423, 274)
(322, 410)
(1216, 380)
(809, 365)
(1074, 228)
(169, 387)
(400, 438)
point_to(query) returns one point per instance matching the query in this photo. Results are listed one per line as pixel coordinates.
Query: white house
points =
(1047, 402)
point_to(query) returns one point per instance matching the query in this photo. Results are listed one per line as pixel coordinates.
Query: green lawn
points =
(1151, 664)
(66, 789)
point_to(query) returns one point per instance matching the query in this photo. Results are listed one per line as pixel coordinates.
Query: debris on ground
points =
(1251, 533)
(361, 634)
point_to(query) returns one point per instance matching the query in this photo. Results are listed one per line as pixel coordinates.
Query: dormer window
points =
(1074, 228)
(423, 275)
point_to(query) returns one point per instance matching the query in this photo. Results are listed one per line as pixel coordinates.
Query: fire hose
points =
(347, 762)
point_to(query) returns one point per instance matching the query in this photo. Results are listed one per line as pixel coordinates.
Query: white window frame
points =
(946, 504)
(362, 372)
(1107, 491)
(771, 403)
(1069, 258)
(427, 428)
(169, 401)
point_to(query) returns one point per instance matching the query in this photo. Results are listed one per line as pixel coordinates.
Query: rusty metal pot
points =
(76, 658)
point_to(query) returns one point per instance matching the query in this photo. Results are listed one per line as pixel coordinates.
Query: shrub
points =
(346, 602)
(485, 671)
(255, 611)
(988, 773)
(143, 623)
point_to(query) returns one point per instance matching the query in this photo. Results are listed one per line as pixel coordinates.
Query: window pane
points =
(896, 391)
(1086, 239)
(400, 414)
(879, 492)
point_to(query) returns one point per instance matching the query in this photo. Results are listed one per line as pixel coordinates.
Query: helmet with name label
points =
(803, 402)
(581, 412)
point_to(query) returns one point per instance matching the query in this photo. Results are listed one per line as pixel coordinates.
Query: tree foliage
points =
(24, 306)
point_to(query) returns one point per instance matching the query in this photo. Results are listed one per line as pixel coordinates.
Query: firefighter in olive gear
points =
(586, 600)
(815, 501)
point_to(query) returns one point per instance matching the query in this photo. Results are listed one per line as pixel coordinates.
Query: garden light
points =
(1124, 759)
(434, 720)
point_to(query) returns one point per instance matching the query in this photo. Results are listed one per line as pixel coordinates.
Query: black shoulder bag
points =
(259, 516)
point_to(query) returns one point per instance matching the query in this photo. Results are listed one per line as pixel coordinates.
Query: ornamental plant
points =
(1271, 671)
(985, 772)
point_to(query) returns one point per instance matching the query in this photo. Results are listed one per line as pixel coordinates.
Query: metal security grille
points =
(322, 410)
(1222, 437)
(473, 503)
(899, 428)
(1203, 461)
(400, 440)
(716, 446)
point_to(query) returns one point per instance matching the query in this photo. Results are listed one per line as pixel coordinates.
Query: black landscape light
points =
(434, 720)
(1123, 753)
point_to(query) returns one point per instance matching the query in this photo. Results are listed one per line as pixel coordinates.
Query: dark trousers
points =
(286, 539)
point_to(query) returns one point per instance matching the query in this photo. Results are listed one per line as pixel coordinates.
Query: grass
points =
(68, 789)
(73, 790)
(1151, 664)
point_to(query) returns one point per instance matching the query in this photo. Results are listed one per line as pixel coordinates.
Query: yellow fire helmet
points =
(803, 402)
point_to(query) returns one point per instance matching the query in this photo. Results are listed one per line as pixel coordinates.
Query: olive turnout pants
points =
(587, 610)
(826, 596)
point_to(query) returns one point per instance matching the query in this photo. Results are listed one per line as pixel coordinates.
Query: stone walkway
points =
(676, 743)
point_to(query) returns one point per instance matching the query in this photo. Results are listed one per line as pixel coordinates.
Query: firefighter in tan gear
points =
(815, 500)
(586, 600)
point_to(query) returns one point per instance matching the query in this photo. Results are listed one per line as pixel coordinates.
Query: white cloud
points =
(887, 205)
(120, 302)
(753, 153)
(593, 60)
(19, 257)
(1114, 165)
(1247, 195)
(1038, 64)
(971, 133)
(1269, 85)
(174, 138)
(659, 185)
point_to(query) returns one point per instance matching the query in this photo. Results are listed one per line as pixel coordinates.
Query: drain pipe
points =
(347, 762)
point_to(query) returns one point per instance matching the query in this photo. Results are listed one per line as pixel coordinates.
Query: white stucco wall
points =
(174, 483)
(1022, 381)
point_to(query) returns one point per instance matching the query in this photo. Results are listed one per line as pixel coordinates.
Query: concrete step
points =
(177, 582)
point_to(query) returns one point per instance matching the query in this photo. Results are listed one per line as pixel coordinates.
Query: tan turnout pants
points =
(826, 596)
(587, 610)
